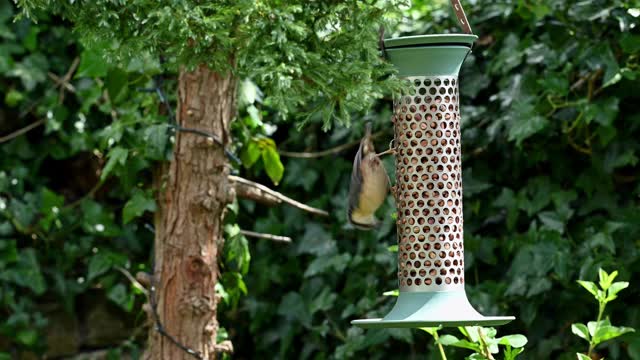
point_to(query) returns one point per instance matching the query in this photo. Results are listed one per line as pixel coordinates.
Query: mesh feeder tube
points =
(428, 189)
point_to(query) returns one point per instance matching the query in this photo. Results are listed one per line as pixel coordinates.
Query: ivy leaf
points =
(116, 83)
(272, 164)
(92, 64)
(118, 294)
(27, 272)
(336, 264)
(524, 122)
(117, 155)
(292, 306)
(156, 137)
(99, 264)
(603, 111)
(137, 205)
(552, 220)
(580, 330)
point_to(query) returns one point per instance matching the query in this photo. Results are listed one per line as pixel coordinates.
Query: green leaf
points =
(580, 330)
(13, 98)
(119, 295)
(615, 288)
(450, 340)
(272, 164)
(515, 340)
(27, 272)
(582, 356)
(92, 64)
(27, 337)
(155, 137)
(391, 293)
(334, 264)
(606, 279)
(594, 325)
(608, 332)
(51, 202)
(603, 112)
(292, 306)
(551, 220)
(116, 83)
(117, 155)
(322, 301)
(137, 205)
(237, 249)
(99, 264)
(511, 354)
(250, 154)
(524, 122)
(447, 340)
(590, 286)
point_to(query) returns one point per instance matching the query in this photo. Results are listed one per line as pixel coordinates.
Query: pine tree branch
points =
(257, 192)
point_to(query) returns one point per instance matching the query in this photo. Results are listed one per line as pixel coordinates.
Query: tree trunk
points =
(192, 199)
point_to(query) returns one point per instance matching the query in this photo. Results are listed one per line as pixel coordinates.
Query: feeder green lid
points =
(426, 40)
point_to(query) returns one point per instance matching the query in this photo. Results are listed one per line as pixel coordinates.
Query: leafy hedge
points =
(550, 128)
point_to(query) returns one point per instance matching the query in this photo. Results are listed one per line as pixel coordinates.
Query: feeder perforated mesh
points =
(428, 186)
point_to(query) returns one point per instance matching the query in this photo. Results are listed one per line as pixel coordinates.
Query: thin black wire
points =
(154, 309)
(158, 82)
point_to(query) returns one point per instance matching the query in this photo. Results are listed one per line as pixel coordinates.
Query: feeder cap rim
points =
(426, 40)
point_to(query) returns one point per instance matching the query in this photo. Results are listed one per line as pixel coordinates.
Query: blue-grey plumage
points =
(369, 185)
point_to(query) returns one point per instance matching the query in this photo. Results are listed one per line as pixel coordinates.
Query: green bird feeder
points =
(428, 189)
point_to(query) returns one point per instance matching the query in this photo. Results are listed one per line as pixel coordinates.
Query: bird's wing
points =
(356, 180)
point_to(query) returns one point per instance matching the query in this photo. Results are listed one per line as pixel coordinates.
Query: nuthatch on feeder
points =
(369, 185)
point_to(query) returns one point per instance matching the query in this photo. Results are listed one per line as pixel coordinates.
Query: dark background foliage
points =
(550, 128)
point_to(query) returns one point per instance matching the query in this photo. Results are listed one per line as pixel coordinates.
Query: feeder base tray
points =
(431, 309)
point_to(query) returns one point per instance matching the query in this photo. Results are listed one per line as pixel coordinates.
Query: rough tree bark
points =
(192, 201)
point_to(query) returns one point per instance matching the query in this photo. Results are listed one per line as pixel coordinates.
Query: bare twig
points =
(19, 132)
(63, 82)
(88, 195)
(334, 150)
(257, 192)
(133, 281)
(276, 238)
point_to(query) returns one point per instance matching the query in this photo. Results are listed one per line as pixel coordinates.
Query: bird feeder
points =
(428, 188)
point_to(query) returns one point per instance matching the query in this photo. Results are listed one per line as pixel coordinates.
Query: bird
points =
(369, 185)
